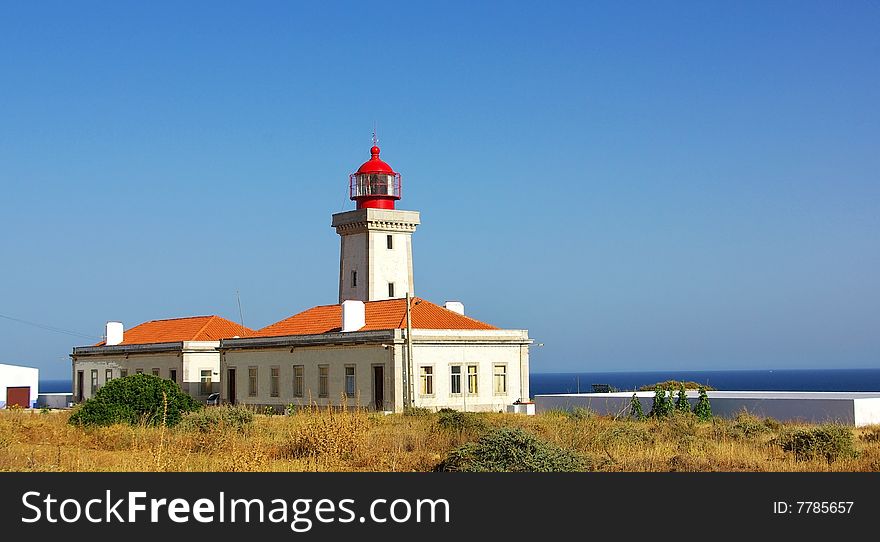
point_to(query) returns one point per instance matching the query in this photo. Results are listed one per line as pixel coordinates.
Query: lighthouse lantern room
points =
(374, 185)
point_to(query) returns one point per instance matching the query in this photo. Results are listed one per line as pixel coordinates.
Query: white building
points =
(380, 347)
(185, 350)
(19, 386)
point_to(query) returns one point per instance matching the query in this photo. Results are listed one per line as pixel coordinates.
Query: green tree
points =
(703, 409)
(681, 400)
(635, 408)
(662, 405)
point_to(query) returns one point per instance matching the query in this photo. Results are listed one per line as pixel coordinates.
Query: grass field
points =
(321, 440)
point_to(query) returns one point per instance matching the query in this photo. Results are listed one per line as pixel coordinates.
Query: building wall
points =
(164, 361)
(390, 265)
(353, 257)
(12, 376)
(441, 358)
(437, 349)
(194, 362)
(362, 357)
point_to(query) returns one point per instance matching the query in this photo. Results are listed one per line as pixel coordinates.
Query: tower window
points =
(390, 242)
(354, 279)
(390, 289)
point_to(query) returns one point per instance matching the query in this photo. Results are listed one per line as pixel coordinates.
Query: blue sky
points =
(659, 185)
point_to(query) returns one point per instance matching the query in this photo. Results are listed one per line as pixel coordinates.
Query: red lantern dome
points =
(374, 184)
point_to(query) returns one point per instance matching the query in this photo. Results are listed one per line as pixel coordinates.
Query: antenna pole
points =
(240, 317)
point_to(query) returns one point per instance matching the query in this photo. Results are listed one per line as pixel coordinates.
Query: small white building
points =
(185, 350)
(19, 386)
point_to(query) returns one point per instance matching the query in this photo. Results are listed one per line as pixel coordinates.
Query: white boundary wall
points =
(851, 408)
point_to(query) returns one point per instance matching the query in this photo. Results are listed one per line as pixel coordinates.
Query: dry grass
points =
(356, 440)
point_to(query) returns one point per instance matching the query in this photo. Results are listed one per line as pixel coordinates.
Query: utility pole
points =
(409, 353)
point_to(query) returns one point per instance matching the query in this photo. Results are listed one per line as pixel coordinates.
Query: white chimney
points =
(455, 306)
(353, 315)
(114, 333)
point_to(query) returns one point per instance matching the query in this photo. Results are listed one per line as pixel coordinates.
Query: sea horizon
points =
(545, 382)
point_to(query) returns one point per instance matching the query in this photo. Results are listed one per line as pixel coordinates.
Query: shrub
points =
(675, 384)
(828, 441)
(417, 411)
(635, 408)
(134, 399)
(662, 405)
(455, 420)
(748, 426)
(221, 417)
(580, 413)
(703, 409)
(681, 400)
(510, 450)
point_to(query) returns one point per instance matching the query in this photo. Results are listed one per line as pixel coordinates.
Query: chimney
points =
(353, 315)
(455, 306)
(113, 333)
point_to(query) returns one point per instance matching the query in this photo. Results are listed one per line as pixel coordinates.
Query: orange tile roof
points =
(388, 314)
(173, 330)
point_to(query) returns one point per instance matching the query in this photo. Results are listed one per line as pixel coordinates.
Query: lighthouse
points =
(375, 257)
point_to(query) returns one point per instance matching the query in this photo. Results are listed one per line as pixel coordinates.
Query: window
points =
(390, 289)
(205, 382)
(472, 379)
(252, 381)
(354, 279)
(108, 375)
(123, 373)
(275, 377)
(138, 371)
(349, 381)
(455, 379)
(155, 371)
(297, 380)
(427, 374)
(500, 379)
(323, 384)
(94, 381)
(172, 374)
(390, 242)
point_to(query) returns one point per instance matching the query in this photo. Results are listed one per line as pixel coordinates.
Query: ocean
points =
(765, 380)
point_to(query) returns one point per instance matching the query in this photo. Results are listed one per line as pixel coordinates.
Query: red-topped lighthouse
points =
(375, 257)
(374, 185)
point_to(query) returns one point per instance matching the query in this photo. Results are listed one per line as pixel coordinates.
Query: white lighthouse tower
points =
(375, 258)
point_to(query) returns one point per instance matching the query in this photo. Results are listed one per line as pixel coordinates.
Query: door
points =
(230, 378)
(379, 387)
(80, 382)
(18, 396)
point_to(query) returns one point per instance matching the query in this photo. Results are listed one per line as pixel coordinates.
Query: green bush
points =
(662, 405)
(136, 399)
(675, 384)
(828, 441)
(635, 408)
(209, 419)
(703, 409)
(454, 420)
(417, 411)
(510, 450)
(681, 400)
(580, 413)
(748, 426)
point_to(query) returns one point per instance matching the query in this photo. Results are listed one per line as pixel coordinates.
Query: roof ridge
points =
(211, 319)
(178, 318)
